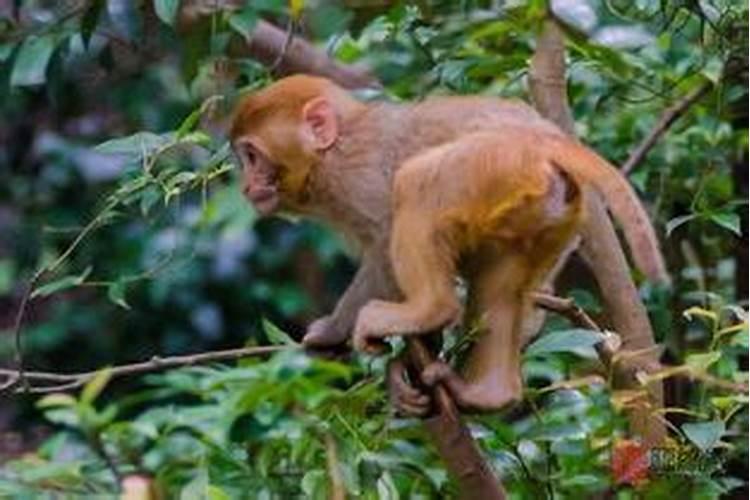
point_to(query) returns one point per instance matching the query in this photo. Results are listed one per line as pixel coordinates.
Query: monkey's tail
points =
(623, 202)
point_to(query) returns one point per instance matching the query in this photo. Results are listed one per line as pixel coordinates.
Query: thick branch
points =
(272, 46)
(278, 49)
(453, 439)
(670, 115)
(44, 382)
(600, 246)
(547, 77)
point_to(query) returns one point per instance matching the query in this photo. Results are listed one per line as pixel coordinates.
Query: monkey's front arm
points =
(372, 280)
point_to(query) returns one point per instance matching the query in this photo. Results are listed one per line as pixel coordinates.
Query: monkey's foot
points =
(406, 399)
(480, 397)
(322, 333)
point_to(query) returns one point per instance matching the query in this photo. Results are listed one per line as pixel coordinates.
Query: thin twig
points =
(668, 117)
(290, 29)
(575, 314)
(45, 382)
(338, 492)
(566, 307)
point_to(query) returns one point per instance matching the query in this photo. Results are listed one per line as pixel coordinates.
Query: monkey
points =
(307, 146)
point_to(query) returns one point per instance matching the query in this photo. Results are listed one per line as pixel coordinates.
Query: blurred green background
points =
(179, 263)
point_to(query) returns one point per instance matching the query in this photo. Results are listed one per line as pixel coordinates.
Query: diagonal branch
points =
(670, 115)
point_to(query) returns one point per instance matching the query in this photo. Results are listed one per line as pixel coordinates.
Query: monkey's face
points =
(260, 177)
(279, 147)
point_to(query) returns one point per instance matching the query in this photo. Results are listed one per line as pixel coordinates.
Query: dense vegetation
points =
(123, 229)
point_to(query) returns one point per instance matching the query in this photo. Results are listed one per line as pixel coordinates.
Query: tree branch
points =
(267, 43)
(600, 246)
(281, 51)
(45, 382)
(670, 115)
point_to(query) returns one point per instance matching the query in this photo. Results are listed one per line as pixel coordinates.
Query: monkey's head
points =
(281, 134)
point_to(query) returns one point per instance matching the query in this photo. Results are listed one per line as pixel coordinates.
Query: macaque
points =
(476, 187)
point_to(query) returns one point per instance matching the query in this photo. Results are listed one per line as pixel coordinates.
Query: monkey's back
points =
(492, 185)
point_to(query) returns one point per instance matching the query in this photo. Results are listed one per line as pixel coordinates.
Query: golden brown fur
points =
(475, 186)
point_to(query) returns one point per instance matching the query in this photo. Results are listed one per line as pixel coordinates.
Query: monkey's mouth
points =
(265, 201)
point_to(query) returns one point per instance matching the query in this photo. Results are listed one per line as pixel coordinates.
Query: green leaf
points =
(96, 385)
(56, 400)
(116, 293)
(6, 49)
(704, 435)
(276, 335)
(576, 341)
(61, 284)
(167, 10)
(700, 363)
(63, 416)
(673, 224)
(196, 488)
(134, 145)
(198, 137)
(31, 62)
(728, 220)
(215, 493)
(244, 21)
(189, 123)
(90, 19)
(713, 69)
(149, 197)
(7, 275)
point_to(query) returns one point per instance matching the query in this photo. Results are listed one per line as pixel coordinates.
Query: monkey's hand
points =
(406, 399)
(323, 332)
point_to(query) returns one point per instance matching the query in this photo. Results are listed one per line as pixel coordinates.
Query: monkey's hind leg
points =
(425, 271)
(492, 376)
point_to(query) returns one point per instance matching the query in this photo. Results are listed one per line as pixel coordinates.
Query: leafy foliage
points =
(120, 206)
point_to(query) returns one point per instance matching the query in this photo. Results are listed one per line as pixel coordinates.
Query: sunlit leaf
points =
(676, 222)
(30, 65)
(53, 400)
(96, 385)
(690, 312)
(295, 8)
(713, 69)
(214, 492)
(700, 363)
(276, 335)
(116, 293)
(728, 220)
(189, 123)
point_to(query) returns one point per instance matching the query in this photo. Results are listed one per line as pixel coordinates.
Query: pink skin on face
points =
(265, 199)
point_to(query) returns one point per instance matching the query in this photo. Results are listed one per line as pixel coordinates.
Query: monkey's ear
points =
(320, 120)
